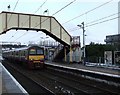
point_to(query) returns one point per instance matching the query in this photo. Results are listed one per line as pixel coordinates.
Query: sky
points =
(79, 9)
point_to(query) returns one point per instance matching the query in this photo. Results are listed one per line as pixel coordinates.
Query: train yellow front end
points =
(36, 61)
(36, 58)
(30, 56)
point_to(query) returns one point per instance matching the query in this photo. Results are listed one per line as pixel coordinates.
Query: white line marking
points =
(15, 81)
(96, 72)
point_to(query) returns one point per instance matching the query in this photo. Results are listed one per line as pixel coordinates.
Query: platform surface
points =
(111, 71)
(8, 84)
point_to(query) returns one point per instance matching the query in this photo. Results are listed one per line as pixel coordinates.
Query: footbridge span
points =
(47, 24)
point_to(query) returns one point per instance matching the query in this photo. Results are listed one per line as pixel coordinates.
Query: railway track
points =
(22, 76)
(60, 82)
(88, 86)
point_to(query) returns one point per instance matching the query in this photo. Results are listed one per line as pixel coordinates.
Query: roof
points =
(23, 48)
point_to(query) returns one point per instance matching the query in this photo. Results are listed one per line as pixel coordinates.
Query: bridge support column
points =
(65, 54)
(71, 52)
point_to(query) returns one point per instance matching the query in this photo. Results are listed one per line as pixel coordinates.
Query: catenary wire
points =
(27, 19)
(16, 5)
(13, 35)
(52, 15)
(103, 18)
(77, 16)
(21, 36)
(57, 11)
(11, 16)
(97, 23)
(40, 6)
(76, 28)
(63, 8)
(37, 10)
(103, 21)
(35, 36)
(13, 10)
(88, 11)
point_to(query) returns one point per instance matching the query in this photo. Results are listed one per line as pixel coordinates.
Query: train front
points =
(36, 57)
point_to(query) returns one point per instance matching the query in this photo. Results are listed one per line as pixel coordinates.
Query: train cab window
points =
(32, 51)
(40, 51)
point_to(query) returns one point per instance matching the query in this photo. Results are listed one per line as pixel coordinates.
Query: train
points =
(31, 56)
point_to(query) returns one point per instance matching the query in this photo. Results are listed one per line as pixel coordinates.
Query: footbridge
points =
(47, 24)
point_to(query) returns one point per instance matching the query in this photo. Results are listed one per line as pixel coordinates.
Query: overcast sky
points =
(95, 33)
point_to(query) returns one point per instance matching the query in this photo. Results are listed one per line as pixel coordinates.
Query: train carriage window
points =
(32, 51)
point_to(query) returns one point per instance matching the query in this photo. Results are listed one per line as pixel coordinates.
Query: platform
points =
(8, 84)
(108, 71)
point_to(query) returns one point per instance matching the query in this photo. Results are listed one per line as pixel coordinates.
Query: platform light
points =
(84, 56)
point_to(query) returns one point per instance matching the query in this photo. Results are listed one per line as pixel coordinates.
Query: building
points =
(113, 40)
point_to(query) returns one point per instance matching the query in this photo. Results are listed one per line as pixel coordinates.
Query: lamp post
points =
(82, 26)
(44, 40)
(44, 45)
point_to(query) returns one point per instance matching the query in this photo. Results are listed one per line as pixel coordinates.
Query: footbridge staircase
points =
(60, 53)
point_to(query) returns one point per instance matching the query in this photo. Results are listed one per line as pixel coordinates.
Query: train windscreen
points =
(36, 51)
(32, 51)
(40, 51)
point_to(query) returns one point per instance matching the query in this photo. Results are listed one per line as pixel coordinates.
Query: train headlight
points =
(31, 59)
